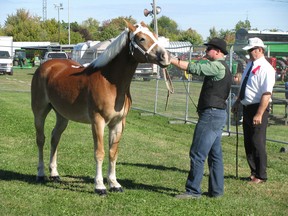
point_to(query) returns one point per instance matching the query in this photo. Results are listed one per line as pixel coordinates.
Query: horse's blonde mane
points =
(112, 50)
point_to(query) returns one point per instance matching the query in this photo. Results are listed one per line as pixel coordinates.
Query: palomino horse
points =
(98, 95)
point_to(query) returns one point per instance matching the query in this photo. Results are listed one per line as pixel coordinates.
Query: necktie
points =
(243, 86)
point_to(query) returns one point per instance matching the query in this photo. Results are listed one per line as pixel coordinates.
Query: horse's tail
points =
(39, 95)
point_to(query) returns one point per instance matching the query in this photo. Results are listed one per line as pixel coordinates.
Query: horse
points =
(98, 94)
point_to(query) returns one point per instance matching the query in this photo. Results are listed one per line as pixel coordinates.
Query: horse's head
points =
(144, 46)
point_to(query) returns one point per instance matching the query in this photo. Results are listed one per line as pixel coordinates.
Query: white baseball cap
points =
(254, 42)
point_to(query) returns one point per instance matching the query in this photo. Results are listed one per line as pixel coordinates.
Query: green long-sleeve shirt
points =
(210, 68)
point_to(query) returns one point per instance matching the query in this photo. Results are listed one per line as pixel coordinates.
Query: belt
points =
(251, 105)
(212, 108)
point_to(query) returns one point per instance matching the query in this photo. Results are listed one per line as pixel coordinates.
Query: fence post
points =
(286, 90)
(156, 90)
(229, 104)
(187, 99)
(188, 87)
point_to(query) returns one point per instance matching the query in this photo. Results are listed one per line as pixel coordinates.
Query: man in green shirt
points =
(212, 119)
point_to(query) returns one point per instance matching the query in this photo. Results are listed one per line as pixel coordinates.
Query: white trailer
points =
(6, 55)
(79, 53)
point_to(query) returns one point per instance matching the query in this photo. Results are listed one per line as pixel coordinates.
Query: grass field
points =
(152, 167)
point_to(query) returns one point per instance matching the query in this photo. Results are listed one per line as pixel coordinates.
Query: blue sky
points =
(198, 15)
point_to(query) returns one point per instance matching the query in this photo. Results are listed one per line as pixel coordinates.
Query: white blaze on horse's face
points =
(153, 53)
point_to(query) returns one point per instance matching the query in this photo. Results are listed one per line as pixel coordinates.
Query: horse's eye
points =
(142, 40)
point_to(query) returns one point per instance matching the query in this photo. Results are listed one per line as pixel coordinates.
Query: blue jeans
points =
(207, 143)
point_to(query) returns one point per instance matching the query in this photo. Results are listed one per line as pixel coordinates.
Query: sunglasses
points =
(252, 49)
(210, 48)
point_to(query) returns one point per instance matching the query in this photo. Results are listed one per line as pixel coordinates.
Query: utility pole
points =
(155, 18)
(44, 10)
(59, 7)
(69, 22)
(155, 10)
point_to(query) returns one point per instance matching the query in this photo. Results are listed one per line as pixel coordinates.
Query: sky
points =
(199, 15)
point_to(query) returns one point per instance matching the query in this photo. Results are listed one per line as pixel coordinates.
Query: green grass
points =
(152, 167)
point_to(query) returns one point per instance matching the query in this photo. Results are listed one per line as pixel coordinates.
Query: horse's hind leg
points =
(40, 115)
(61, 124)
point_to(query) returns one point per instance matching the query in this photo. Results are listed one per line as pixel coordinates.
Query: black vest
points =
(215, 93)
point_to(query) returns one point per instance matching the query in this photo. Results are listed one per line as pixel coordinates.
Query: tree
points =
(75, 38)
(213, 33)
(90, 28)
(274, 30)
(23, 26)
(192, 36)
(76, 35)
(1, 31)
(246, 25)
(91, 24)
(112, 28)
(228, 36)
(167, 28)
(49, 30)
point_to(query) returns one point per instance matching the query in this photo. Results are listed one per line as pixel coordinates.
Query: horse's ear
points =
(144, 24)
(131, 27)
(126, 22)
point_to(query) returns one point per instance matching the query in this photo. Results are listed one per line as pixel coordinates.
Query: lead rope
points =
(169, 85)
(170, 88)
(191, 99)
(186, 86)
(237, 141)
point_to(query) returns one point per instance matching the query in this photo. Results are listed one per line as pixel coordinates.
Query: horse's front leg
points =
(98, 136)
(115, 133)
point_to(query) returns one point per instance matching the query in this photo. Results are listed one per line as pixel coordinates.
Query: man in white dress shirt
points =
(255, 95)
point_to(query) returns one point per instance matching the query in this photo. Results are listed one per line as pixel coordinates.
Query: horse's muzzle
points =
(164, 58)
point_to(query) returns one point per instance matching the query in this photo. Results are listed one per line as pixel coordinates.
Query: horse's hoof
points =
(40, 179)
(101, 192)
(116, 189)
(55, 179)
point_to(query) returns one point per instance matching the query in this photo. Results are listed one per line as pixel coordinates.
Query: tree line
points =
(26, 27)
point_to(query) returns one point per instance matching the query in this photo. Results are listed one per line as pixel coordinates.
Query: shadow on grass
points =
(163, 168)
(154, 167)
(7, 175)
(81, 183)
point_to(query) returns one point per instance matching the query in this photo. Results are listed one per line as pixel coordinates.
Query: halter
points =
(133, 45)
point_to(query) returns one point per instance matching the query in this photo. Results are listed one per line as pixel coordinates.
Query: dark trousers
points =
(255, 141)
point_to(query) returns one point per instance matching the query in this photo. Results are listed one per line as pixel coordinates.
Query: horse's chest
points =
(115, 109)
(110, 99)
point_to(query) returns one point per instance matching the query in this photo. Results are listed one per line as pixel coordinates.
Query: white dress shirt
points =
(260, 81)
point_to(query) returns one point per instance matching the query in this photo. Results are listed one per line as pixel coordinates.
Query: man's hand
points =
(235, 106)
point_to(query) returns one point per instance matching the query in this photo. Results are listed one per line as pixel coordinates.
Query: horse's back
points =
(57, 66)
